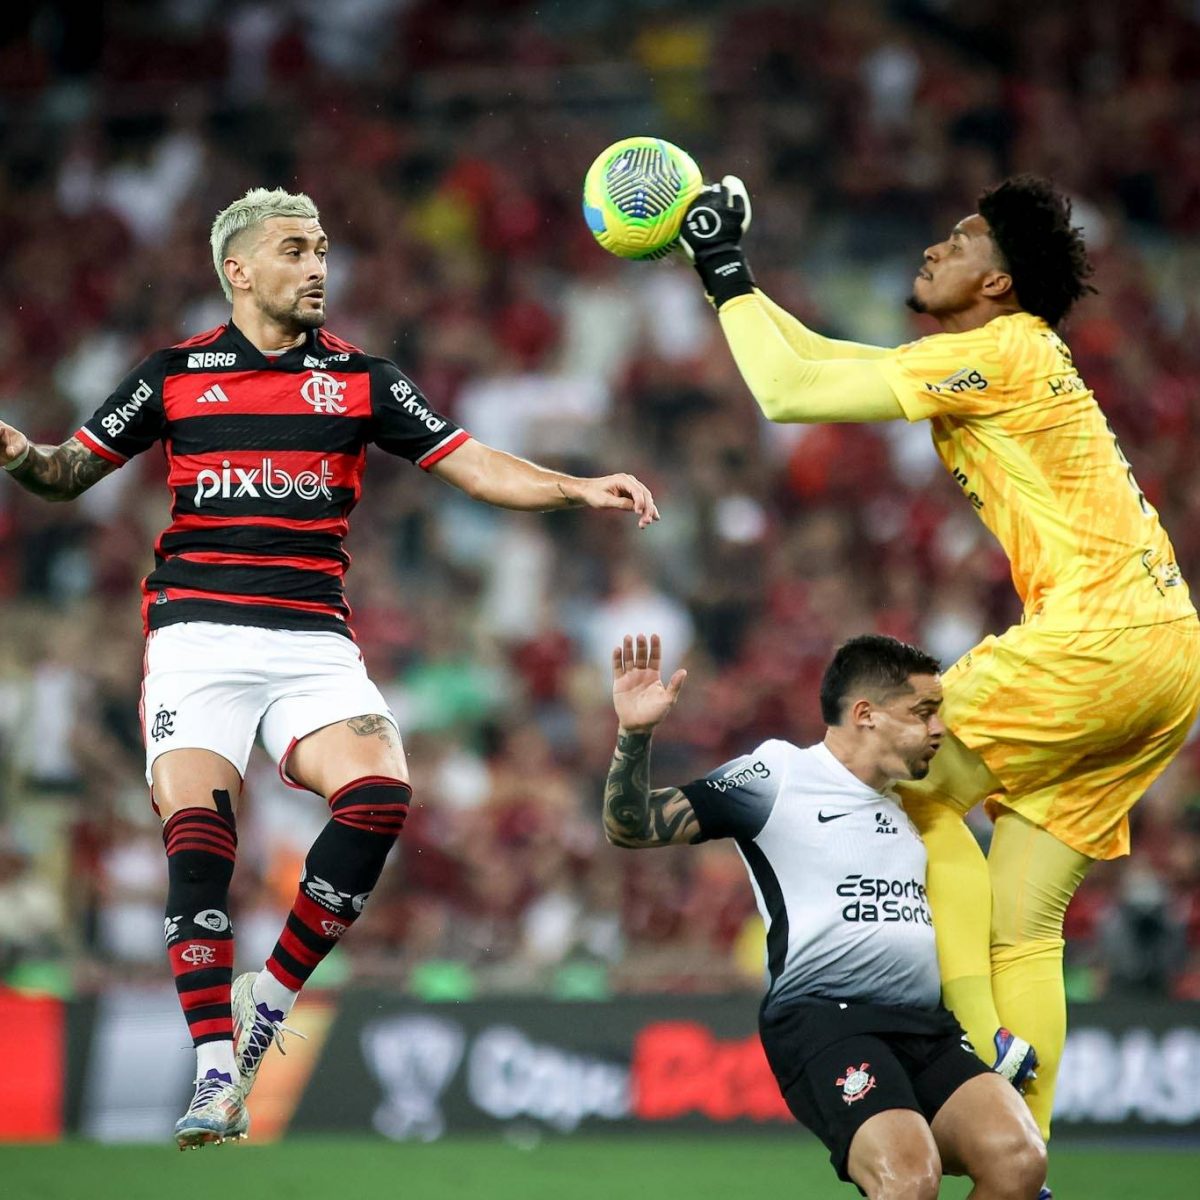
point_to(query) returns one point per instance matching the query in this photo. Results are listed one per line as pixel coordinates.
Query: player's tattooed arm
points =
(375, 726)
(636, 816)
(61, 472)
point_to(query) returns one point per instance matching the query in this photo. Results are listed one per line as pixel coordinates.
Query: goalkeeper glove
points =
(711, 234)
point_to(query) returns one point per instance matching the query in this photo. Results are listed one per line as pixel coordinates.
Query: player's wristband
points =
(725, 274)
(16, 462)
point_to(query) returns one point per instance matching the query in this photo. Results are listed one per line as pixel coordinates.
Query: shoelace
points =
(206, 1091)
(262, 1034)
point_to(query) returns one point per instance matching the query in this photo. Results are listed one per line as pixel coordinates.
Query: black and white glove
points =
(711, 235)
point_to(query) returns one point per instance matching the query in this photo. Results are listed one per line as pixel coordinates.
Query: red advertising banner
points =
(31, 1082)
(681, 1067)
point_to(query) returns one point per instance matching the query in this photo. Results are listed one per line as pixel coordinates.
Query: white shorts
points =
(215, 687)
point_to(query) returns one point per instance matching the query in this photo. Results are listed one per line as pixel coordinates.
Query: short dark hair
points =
(1031, 225)
(871, 661)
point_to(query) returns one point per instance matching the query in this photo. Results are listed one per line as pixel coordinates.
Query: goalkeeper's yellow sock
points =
(1027, 982)
(1034, 876)
(960, 899)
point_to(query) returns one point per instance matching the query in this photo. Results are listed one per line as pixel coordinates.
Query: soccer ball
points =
(635, 195)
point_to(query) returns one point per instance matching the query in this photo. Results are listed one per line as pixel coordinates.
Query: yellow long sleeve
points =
(788, 386)
(809, 344)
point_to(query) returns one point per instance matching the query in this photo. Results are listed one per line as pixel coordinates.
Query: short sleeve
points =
(735, 800)
(131, 419)
(948, 374)
(402, 423)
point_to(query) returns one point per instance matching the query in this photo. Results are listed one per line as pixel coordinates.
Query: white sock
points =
(216, 1056)
(269, 991)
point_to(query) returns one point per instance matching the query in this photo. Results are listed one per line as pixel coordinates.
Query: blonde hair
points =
(252, 209)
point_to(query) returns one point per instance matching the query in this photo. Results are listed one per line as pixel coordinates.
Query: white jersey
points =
(838, 871)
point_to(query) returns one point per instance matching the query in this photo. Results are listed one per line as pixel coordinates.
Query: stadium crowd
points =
(445, 146)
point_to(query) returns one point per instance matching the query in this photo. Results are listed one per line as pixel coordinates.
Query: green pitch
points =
(583, 1169)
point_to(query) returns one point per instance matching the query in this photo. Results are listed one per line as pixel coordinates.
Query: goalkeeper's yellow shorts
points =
(1077, 726)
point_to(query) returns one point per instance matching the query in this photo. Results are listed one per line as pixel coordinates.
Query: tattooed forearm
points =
(636, 817)
(61, 472)
(374, 726)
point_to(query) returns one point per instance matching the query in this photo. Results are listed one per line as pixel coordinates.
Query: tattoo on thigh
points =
(374, 726)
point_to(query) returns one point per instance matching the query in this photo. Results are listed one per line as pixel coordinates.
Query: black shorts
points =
(838, 1065)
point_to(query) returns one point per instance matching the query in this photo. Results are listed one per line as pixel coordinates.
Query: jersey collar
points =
(840, 768)
(289, 360)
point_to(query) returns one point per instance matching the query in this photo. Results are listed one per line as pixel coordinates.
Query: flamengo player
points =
(265, 423)
(852, 1024)
(1063, 721)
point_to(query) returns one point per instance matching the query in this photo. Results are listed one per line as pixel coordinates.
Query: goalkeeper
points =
(1062, 722)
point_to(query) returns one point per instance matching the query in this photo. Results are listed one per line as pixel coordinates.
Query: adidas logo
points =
(214, 395)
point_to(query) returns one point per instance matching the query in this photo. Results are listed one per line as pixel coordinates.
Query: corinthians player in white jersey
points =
(852, 1023)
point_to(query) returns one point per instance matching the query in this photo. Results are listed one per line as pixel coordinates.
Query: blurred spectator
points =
(33, 909)
(1143, 938)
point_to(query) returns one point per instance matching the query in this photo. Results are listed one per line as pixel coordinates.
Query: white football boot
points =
(217, 1113)
(255, 1027)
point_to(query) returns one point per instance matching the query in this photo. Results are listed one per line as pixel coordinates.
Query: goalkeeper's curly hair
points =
(1031, 224)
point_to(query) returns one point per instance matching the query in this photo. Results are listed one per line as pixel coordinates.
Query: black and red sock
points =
(342, 867)
(201, 848)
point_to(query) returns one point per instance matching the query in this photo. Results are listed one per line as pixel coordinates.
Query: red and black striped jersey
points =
(265, 461)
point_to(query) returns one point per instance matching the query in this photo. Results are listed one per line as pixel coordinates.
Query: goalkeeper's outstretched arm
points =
(809, 344)
(792, 388)
(793, 373)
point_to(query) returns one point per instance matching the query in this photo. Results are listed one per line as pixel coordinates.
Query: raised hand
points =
(716, 218)
(711, 236)
(639, 695)
(618, 491)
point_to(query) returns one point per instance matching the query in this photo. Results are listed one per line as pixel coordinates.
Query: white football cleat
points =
(217, 1113)
(255, 1027)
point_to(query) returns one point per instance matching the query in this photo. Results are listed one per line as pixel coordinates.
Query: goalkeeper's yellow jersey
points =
(1021, 433)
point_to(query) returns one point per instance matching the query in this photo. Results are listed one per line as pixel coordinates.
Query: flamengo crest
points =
(323, 392)
(199, 955)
